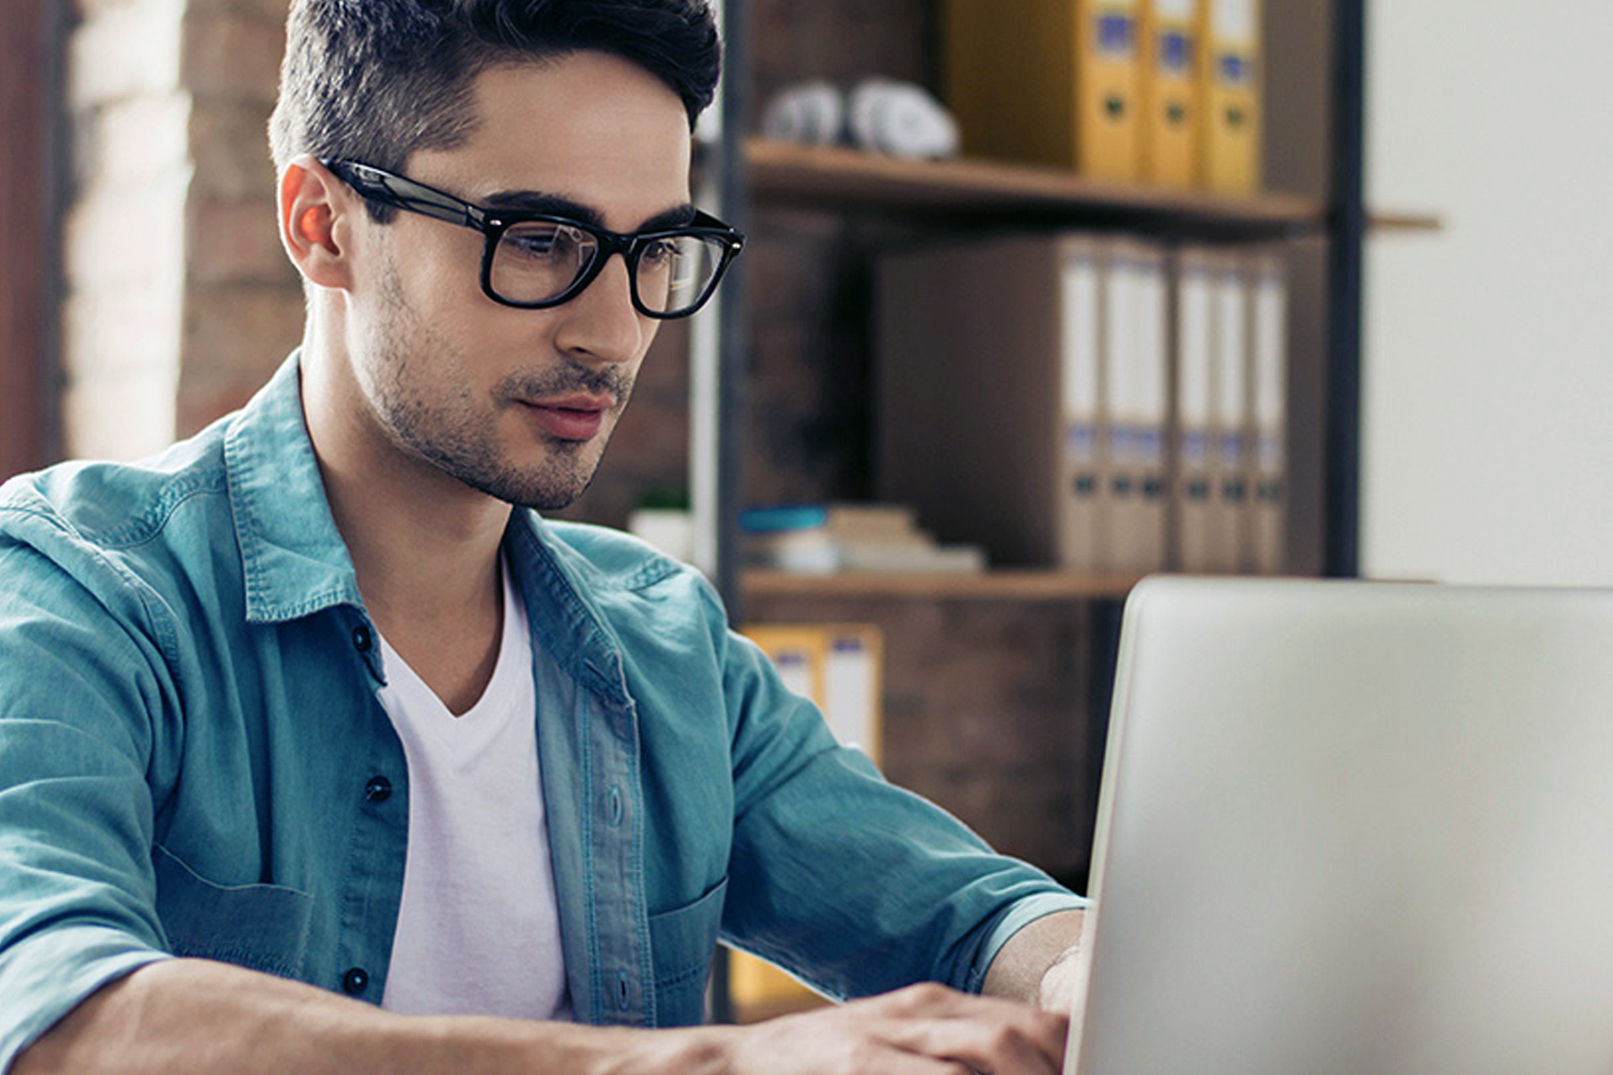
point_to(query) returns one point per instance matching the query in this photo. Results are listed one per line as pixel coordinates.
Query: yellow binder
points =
(1047, 82)
(1109, 71)
(1229, 74)
(1169, 92)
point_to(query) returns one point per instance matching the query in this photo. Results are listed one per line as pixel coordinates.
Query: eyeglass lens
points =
(536, 261)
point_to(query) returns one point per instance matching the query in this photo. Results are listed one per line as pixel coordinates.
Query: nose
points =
(601, 324)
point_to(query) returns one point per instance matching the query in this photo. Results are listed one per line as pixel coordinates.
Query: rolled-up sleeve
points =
(849, 882)
(77, 893)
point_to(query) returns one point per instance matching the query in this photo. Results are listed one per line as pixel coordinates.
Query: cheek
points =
(438, 269)
(465, 335)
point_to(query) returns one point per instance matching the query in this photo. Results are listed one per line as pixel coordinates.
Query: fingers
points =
(999, 1050)
(921, 1030)
(996, 1037)
(892, 1061)
(849, 1040)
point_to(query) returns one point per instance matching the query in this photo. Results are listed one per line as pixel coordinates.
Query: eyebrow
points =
(531, 201)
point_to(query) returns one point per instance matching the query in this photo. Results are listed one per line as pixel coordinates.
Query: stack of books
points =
(823, 539)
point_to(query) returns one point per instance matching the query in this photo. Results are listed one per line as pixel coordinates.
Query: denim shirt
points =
(194, 762)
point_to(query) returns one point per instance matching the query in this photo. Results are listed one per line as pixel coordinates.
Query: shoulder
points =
(123, 536)
(112, 505)
(638, 592)
(604, 559)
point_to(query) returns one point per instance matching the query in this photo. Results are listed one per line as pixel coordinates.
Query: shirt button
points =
(362, 639)
(356, 980)
(615, 806)
(378, 790)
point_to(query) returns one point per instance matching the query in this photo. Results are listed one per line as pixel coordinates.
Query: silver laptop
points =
(1354, 828)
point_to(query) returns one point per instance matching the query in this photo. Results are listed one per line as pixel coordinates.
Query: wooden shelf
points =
(839, 178)
(999, 585)
(1396, 220)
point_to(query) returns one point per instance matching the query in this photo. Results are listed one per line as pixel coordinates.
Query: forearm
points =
(193, 1017)
(1037, 964)
(190, 1017)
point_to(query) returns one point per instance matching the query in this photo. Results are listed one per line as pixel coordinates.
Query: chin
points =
(543, 489)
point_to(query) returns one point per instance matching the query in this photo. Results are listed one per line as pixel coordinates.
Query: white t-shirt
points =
(479, 926)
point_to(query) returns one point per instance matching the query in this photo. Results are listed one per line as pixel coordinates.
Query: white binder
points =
(1136, 403)
(1268, 325)
(1193, 479)
(1082, 499)
(1229, 538)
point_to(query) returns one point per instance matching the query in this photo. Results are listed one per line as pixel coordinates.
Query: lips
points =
(577, 417)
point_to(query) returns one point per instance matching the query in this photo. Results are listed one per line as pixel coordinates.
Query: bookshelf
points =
(769, 187)
(1320, 104)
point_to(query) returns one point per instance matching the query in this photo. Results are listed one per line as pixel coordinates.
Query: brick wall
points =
(179, 301)
(243, 307)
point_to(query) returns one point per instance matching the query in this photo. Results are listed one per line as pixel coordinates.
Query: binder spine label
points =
(1175, 55)
(1173, 41)
(1269, 451)
(1081, 443)
(1117, 35)
(1195, 448)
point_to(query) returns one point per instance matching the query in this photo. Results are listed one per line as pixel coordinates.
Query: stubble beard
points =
(456, 432)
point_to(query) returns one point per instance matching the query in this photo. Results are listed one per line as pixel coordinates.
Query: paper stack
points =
(822, 539)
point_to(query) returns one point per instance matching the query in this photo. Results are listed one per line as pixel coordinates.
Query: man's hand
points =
(920, 1030)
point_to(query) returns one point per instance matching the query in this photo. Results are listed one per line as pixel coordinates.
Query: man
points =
(267, 746)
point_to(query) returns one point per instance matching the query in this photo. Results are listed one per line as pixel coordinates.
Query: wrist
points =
(1059, 987)
(705, 1050)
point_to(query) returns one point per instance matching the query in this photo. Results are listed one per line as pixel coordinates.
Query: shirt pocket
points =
(260, 927)
(682, 944)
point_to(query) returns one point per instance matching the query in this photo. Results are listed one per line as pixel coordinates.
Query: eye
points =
(659, 253)
(546, 242)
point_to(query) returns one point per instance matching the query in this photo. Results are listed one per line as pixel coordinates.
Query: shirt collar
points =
(553, 581)
(292, 556)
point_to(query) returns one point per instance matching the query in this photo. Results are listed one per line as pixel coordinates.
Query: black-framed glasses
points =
(537, 260)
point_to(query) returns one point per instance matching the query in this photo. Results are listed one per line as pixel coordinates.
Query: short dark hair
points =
(375, 80)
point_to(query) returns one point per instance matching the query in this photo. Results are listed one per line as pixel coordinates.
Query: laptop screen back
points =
(1354, 828)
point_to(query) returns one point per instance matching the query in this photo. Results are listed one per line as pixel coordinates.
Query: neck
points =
(425, 546)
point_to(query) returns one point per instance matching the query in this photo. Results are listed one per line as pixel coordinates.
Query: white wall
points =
(1489, 347)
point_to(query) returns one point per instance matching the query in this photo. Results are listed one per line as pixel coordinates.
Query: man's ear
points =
(316, 211)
